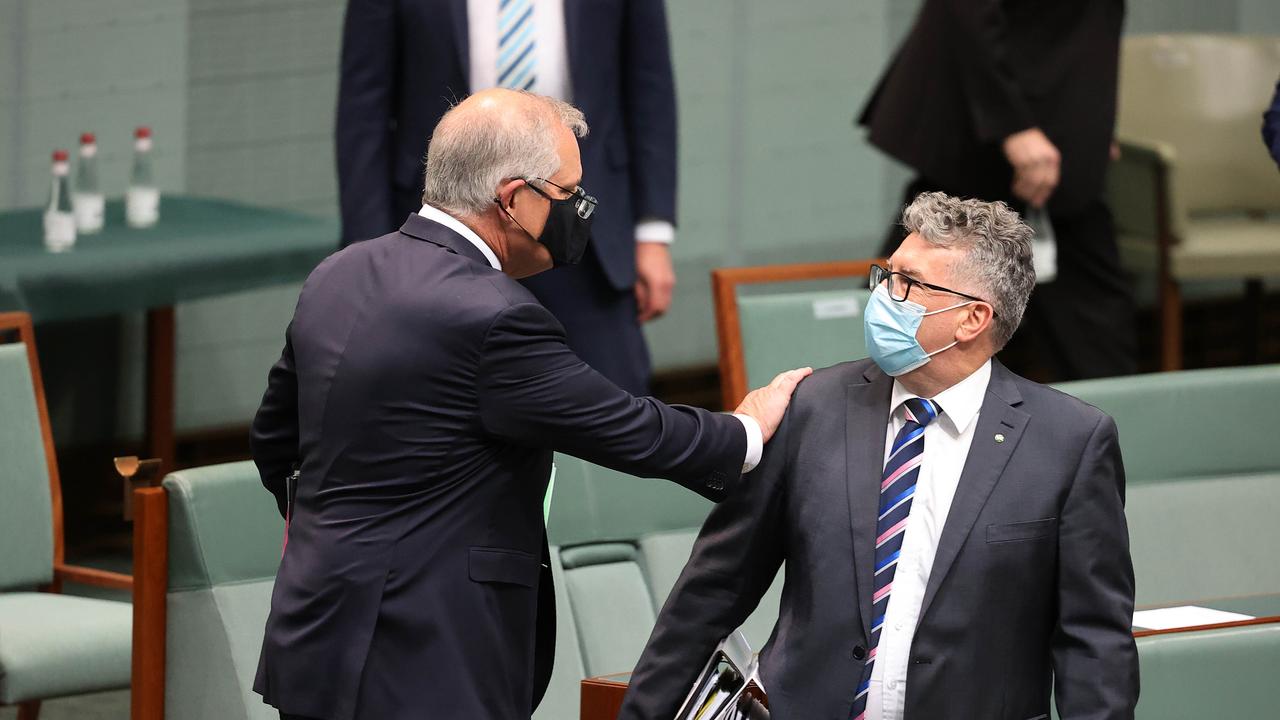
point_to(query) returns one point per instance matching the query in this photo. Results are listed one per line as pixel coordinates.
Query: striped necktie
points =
(897, 487)
(517, 61)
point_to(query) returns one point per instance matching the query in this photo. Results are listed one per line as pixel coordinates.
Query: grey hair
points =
(470, 155)
(997, 251)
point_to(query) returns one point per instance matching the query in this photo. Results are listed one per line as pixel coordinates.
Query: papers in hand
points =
(1183, 616)
(729, 686)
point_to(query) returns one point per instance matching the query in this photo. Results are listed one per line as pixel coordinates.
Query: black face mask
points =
(568, 227)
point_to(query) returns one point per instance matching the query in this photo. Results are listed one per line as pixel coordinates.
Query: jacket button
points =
(859, 653)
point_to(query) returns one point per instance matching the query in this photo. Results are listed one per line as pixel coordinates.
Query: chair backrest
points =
(224, 549)
(764, 330)
(1191, 424)
(1238, 663)
(28, 474)
(593, 504)
(1211, 537)
(1204, 95)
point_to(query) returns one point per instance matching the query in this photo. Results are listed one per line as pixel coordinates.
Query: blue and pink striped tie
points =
(897, 488)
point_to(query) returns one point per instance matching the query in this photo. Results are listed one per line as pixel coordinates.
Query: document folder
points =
(729, 686)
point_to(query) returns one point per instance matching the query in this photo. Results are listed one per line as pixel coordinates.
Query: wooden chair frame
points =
(724, 292)
(17, 326)
(150, 594)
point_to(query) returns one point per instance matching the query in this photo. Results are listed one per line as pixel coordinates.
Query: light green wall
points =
(241, 96)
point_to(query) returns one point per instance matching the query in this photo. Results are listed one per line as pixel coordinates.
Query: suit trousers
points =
(1083, 322)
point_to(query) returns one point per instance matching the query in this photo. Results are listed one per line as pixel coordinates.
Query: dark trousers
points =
(1083, 323)
(287, 716)
(600, 321)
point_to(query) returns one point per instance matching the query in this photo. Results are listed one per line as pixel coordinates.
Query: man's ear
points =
(976, 322)
(506, 193)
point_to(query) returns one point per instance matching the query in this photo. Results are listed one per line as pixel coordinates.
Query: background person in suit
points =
(420, 395)
(954, 535)
(1014, 100)
(404, 62)
(1271, 126)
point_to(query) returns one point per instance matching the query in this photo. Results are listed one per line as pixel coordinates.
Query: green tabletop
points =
(200, 248)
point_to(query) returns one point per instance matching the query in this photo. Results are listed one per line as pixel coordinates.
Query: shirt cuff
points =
(755, 442)
(655, 231)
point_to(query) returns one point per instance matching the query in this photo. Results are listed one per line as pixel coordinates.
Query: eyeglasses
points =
(900, 285)
(583, 203)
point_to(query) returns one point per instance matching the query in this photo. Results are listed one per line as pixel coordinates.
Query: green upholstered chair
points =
(51, 645)
(1196, 423)
(1203, 472)
(1195, 195)
(764, 327)
(1225, 673)
(222, 535)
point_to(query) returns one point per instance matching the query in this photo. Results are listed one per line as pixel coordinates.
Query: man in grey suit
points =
(954, 535)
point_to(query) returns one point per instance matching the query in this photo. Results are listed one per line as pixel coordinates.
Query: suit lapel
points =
(462, 40)
(986, 462)
(867, 412)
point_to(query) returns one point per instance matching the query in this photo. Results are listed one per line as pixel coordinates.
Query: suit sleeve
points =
(735, 559)
(997, 105)
(366, 90)
(1095, 659)
(1271, 126)
(534, 391)
(274, 436)
(649, 94)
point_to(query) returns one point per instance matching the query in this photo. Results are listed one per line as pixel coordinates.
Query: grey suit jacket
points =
(1031, 589)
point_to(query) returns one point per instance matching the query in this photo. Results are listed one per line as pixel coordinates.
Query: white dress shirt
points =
(551, 53)
(946, 446)
(755, 437)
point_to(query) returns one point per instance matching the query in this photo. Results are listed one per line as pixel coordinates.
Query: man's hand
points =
(655, 279)
(1036, 165)
(767, 404)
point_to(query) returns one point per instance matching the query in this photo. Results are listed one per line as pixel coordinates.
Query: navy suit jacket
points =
(1032, 584)
(421, 393)
(405, 62)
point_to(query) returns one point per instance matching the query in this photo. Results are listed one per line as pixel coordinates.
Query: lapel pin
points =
(999, 437)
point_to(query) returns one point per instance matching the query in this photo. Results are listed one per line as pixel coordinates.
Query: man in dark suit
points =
(954, 535)
(1016, 100)
(404, 62)
(419, 396)
(1271, 126)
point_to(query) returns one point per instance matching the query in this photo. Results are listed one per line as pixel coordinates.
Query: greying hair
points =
(472, 153)
(997, 251)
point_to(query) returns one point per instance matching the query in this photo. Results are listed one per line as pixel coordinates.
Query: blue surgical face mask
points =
(890, 328)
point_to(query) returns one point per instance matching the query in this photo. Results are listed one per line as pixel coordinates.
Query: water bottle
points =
(88, 200)
(59, 219)
(1044, 245)
(142, 199)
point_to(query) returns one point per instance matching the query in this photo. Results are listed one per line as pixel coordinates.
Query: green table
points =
(200, 248)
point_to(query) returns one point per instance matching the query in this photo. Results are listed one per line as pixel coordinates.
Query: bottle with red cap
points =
(142, 199)
(88, 200)
(59, 220)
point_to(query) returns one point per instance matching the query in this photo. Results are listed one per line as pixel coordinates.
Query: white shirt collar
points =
(451, 222)
(960, 403)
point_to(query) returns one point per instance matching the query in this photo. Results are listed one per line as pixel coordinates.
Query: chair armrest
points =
(63, 572)
(1141, 190)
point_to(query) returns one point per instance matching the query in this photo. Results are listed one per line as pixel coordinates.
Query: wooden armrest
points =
(92, 576)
